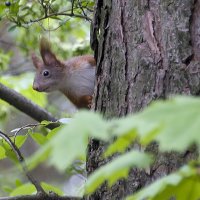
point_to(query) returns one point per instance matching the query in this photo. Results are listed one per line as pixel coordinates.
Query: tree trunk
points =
(145, 50)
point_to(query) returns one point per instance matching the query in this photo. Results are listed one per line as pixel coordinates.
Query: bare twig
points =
(50, 196)
(86, 6)
(29, 126)
(82, 9)
(60, 14)
(47, 7)
(22, 162)
(72, 8)
(44, 6)
(53, 29)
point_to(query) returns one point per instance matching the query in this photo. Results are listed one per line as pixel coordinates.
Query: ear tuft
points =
(45, 50)
(36, 61)
(45, 46)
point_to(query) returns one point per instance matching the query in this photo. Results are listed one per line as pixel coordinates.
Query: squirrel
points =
(75, 77)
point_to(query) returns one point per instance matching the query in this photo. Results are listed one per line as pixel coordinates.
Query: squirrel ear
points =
(48, 57)
(36, 61)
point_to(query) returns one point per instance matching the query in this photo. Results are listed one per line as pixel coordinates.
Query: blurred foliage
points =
(61, 21)
(4, 113)
(24, 86)
(72, 38)
(22, 23)
(4, 59)
(29, 188)
(183, 184)
(161, 121)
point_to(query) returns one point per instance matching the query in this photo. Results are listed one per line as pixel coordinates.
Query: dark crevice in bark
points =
(95, 28)
(110, 68)
(198, 93)
(92, 147)
(188, 60)
(165, 85)
(148, 4)
(94, 39)
(195, 29)
(192, 61)
(97, 89)
(100, 56)
(160, 76)
(126, 73)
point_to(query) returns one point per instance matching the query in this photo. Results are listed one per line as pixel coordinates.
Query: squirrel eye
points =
(45, 73)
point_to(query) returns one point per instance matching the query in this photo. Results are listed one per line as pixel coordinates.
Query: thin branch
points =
(50, 196)
(22, 162)
(81, 7)
(60, 14)
(30, 126)
(44, 6)
(26, 106)
(53, 29)
(41, 194)
(72, 9)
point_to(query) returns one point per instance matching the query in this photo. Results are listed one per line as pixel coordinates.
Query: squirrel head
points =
(49, 70)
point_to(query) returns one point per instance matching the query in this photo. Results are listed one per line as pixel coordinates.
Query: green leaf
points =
(91, 124)
(64, 147)
(41, 155)
(134, 125)
(18, 182)
(121, 143)
(49, 188)
(19, 141)
(75, 134)
(7, 189)
(25, 189)
(4, 59)
(39, 138)
(116, 169)
(12, 28)
(44, 151)
(2, 153)
(187, 179)
(45, 122)
(53, 132)
(164, 122)
(171, 117)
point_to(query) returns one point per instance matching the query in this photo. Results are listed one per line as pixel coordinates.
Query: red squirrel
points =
(75, 77)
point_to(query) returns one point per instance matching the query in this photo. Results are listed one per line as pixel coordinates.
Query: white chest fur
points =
(81, 81)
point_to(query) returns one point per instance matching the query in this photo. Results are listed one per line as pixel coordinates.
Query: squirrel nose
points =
(35, 86)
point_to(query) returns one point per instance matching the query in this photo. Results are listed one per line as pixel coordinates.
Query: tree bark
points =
(145, 50)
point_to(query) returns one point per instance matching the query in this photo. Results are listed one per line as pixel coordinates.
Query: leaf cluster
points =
(24, 13)
(173, 124)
